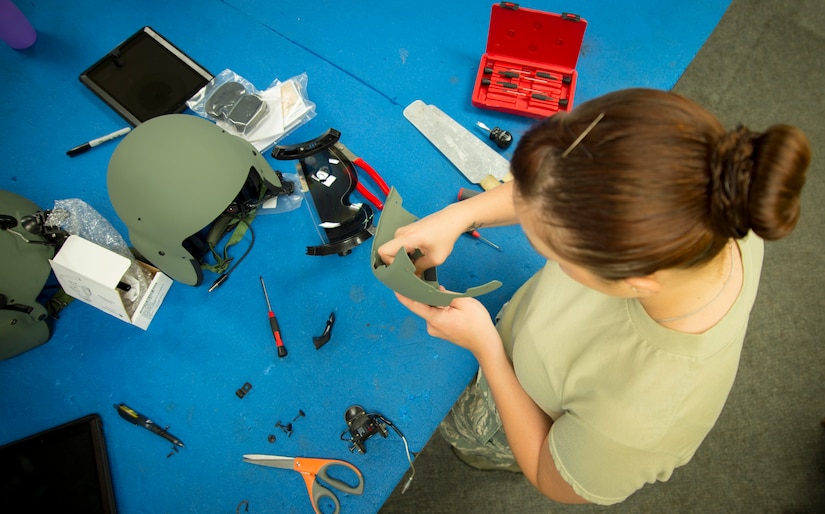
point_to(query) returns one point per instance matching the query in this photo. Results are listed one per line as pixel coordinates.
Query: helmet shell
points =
(24, 271)
(170, 178)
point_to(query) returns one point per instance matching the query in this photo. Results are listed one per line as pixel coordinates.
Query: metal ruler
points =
(474, 158)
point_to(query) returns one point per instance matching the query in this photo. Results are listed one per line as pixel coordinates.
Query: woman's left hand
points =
(465, 322)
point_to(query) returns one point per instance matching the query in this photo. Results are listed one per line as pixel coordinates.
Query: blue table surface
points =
(364, 65)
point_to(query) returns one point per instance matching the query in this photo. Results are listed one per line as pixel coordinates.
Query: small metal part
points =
(271, 438)
(287, 429)
(244, 503)
(301, 414)
(243, 390)
(218, 283)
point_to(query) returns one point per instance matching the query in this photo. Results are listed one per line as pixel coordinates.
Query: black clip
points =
(243, 390)
(324, 338)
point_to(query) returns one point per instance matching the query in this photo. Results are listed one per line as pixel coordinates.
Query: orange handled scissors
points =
(311, 469)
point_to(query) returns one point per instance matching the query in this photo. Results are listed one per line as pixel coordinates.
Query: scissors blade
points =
(273, 461)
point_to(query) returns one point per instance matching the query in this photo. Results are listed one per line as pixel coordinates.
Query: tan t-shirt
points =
(631, 400)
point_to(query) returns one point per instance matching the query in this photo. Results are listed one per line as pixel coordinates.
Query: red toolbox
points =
(529, 67)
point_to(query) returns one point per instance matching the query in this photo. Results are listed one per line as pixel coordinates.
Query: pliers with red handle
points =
(361, 163)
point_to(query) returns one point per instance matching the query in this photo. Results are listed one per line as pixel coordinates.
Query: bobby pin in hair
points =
(583, 135)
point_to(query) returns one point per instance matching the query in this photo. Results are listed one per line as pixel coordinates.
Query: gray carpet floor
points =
(763, 64)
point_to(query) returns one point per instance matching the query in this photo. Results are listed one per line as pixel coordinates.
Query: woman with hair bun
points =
(608, 368)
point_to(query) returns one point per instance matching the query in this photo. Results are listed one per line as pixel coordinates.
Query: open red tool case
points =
(529, 67)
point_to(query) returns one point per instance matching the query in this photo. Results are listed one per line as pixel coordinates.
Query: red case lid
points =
(534, 35)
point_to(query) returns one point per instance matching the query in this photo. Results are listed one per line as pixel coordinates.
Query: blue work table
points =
(364, 65)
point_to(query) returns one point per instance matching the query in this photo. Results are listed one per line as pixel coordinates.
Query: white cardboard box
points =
(91, 273)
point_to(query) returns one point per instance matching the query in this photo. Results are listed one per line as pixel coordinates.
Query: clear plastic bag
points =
(261, 117)
(284, 203)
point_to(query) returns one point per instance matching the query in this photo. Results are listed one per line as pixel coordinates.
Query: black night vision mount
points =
(362, 425)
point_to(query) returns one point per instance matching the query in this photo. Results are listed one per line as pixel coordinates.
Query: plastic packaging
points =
(78, 218)
(284, 203)
(261, 117)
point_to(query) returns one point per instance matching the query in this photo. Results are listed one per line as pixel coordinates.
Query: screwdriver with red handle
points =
(463, 194)
(273, 323)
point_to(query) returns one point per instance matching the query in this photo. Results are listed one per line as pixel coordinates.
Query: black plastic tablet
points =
(62, 469)
(145, 76)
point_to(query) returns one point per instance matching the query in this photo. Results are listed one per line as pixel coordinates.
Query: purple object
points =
(15, 28)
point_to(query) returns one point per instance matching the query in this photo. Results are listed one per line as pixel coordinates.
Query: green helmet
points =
(172, 177)
(24, 271)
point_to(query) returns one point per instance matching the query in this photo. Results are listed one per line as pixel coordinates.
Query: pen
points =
(142, 421)
(99, 141)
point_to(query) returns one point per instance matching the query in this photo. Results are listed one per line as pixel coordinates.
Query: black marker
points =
(142, 421)
(99, 141)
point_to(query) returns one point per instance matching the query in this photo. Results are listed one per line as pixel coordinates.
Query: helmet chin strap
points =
(239, 215)
(222, 259)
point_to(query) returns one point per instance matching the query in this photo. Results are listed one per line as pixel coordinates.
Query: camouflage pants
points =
(474, 429)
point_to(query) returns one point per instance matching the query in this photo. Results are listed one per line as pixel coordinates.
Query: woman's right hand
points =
(433, 236)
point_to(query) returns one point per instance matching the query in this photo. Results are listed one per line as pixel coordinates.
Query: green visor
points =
(400, 275)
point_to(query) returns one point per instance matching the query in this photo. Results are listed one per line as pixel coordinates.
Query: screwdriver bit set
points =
(529, 67)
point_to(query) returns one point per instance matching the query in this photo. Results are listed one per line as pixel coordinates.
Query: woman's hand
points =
(434, 236)
(465, 322)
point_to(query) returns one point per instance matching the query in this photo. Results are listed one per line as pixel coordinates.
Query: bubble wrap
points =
(80, 219)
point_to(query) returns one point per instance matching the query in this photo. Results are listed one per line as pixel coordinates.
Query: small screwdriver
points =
(501, 138)
(463, 194)
(475, 234)
(273, 323)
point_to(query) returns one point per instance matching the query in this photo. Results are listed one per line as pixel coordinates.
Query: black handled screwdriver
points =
(502, 138)
(273, 323)
(142, 421)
